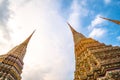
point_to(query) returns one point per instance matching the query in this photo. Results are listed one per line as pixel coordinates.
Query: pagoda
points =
(11, 64)
(95, 60)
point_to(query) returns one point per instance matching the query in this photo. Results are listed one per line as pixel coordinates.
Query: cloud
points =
(95, 28)
(39, 73)
(118, 38)
(107, 1)
(78, 10)
(97, 32)
(5, 14)
(4, 17)
(96, 22)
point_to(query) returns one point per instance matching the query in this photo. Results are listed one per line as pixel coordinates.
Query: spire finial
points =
(28, 39)
(76, 35)
(73, 30)
(114, 21)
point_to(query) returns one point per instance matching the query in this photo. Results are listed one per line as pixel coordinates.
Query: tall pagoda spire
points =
(95, 60)
(76, 35)
(114, 21)
(20, 49)
(11, 64)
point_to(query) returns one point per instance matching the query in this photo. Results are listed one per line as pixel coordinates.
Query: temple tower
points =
(95, 60)
(11, 64)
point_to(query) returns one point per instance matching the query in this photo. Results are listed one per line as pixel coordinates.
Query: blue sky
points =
(105, 8)
(50, 53)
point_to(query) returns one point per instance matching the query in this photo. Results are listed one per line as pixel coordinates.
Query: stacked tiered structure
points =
(11, 64)
(95, 60)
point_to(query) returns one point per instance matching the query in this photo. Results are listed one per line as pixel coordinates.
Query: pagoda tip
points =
(33, 31)
(69, 25)
(27, 40)
(67, 22)
(114, 21)
(102, 17)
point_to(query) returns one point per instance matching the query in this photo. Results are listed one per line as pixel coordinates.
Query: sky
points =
(50, 52)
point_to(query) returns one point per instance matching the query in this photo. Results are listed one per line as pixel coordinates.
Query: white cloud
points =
(95, 28)
(5, 31)
(97, 32)
(118, 38)
(107, 1)
(75, 14)
(78, 10)
(4, 17)
(97, 21)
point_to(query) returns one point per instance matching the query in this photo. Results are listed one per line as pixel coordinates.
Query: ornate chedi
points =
(95, 60)
(11, 64)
